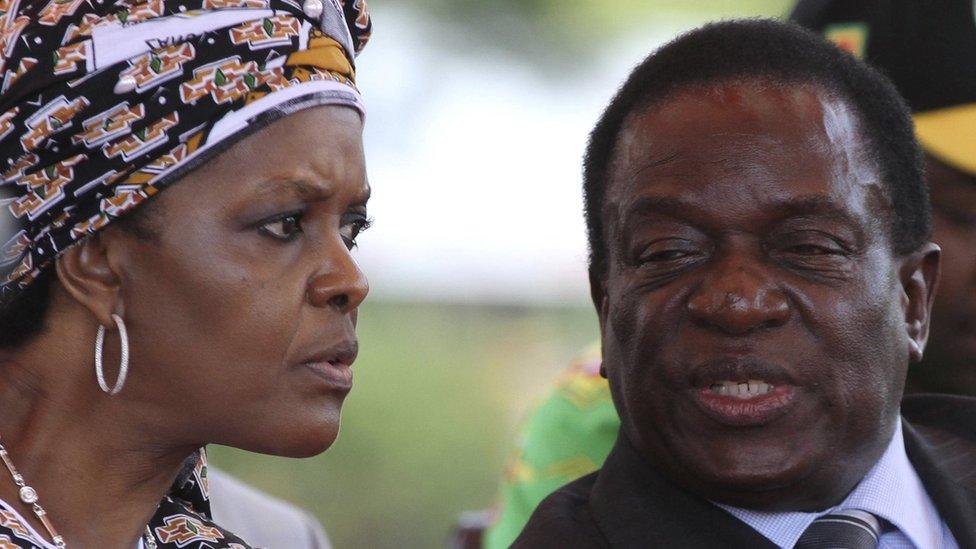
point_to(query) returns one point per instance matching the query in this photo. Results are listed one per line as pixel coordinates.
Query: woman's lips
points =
(744, 403)
(336, 374)
(334, 365)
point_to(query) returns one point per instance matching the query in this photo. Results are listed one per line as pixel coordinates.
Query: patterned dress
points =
(182, 520)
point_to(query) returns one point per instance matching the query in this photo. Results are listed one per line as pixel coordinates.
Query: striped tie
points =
(849, 529)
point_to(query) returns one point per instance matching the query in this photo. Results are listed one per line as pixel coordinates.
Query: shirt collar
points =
(891, 490)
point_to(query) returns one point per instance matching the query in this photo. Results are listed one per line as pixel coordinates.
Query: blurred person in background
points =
(223, 310)
(262, 520)
(927, 49)
(566, 436)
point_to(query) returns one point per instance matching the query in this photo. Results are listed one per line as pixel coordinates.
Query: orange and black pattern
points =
(103, 103)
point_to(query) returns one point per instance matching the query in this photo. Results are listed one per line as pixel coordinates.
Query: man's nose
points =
(738, 297)
(339, 283)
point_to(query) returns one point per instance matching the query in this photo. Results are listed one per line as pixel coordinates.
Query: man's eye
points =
(665, 255)
(283, 228)
(669, 251)
(809, 249)
(813, 250)
(351, 228)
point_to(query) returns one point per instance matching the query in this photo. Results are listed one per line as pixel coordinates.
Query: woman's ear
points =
(85, 271)
(920, 281)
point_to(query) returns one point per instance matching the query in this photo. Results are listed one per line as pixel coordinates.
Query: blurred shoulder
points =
(563, 519)
(950, 413)
(261, 519)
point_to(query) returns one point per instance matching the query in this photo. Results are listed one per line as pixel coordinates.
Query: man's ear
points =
(85, 271)
(920, 280)
(599, 296)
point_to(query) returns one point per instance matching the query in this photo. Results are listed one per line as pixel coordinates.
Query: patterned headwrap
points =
(103, 103)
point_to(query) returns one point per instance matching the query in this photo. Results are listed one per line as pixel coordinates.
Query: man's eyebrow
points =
(662, 205)
(809, 206)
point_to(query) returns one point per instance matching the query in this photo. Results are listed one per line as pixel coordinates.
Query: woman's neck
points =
(98, 473)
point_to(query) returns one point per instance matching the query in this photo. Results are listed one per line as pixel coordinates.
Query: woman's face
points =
(241, 308)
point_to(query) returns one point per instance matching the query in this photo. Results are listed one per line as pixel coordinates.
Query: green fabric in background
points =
(567, 436)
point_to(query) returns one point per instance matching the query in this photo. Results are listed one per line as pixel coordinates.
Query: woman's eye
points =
(283, 228)
(351, 228)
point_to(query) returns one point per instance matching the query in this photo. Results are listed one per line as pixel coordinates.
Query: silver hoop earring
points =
(124, 363)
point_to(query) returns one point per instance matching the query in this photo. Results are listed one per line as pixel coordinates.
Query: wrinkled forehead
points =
(742, 132)
(751, 111)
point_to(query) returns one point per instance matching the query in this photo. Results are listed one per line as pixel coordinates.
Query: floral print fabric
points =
(103, 103)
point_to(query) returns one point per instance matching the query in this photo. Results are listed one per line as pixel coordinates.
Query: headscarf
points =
(103, 103)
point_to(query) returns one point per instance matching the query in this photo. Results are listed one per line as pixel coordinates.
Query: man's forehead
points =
(736, 122)
(778, 110)
(751, 97)
(747, 140)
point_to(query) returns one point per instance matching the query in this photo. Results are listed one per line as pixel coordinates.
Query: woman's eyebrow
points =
(291, 186)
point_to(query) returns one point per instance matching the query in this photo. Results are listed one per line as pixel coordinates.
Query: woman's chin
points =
(298, 439)
(310, 441)
(309, 448)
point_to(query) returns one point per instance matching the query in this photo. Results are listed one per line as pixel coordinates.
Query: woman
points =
(133, 332)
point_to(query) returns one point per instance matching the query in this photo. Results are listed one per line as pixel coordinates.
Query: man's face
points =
(950, 363)
(754, 317)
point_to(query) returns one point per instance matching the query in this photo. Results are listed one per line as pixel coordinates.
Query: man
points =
(761, 269)
(938, 79)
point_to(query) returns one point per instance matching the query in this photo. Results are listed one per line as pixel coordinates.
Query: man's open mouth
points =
(744, 390)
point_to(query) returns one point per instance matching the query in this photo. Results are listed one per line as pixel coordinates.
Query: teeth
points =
(749, 389)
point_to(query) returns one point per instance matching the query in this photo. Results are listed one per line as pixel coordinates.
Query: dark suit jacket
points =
(628, 504)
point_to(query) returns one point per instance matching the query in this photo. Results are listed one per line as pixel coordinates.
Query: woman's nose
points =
(339, 284)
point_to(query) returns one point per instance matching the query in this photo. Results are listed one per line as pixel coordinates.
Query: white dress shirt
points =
(892, 491)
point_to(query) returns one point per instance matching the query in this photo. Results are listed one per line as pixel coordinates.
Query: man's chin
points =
(753, 478)
(765, 490)
(758, 477)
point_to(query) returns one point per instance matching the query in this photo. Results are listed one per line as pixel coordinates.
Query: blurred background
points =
(479, 113)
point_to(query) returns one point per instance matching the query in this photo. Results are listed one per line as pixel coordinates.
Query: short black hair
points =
(781, 53)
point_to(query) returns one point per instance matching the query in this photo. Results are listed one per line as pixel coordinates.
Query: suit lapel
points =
(635, 507)
(947, 467)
